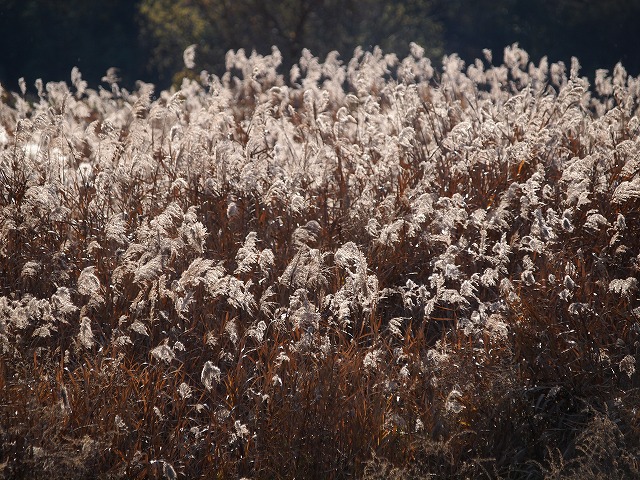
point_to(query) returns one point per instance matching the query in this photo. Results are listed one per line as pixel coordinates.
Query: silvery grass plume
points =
(375, 250)
(211, 375)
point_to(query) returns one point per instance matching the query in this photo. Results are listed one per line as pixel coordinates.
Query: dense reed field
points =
(376, 268)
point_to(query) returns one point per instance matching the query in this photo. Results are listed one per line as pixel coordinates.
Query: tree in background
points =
(216, 26)
(599, 33)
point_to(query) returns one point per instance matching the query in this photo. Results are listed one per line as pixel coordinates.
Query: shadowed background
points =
(145, 39)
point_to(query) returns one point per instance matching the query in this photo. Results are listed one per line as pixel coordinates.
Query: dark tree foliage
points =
(318, 25)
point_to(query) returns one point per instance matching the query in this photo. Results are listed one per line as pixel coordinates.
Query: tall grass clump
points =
(370, 269)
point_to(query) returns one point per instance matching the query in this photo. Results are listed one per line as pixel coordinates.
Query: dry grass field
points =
(376, 268)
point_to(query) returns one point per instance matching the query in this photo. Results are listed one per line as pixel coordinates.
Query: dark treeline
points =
(144, 39)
